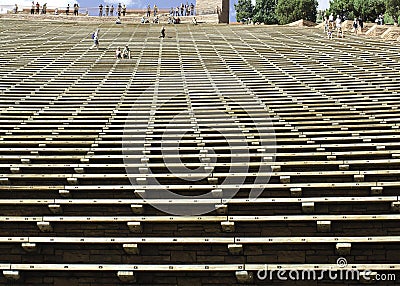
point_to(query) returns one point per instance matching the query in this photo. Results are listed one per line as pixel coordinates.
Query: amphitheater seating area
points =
(289, 139)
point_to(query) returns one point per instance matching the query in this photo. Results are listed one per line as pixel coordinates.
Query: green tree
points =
(344, 8)
(264, 12)
(244, 10)
(392, 8)
(288, 11)
(368, 10)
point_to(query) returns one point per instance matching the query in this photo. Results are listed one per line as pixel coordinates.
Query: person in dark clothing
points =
(360, 24)
(162, 32)
(355, 26)
(148, 11)
(76, 9)
(119, 9)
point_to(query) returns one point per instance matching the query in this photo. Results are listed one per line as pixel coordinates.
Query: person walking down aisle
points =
(95, 37)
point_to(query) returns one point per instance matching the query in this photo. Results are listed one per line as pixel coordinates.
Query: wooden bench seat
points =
(247, 201)
(192, 267)
(327, 187)
(121, 267)
(201, 240)
(340, 146)
(199, 219)
(339, 175)
(312, 218)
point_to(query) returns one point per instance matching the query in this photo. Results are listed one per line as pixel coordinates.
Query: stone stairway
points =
(209, 156)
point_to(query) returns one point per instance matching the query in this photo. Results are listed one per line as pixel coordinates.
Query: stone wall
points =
(219, 7)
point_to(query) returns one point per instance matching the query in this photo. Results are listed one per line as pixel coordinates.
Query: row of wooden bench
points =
(66, 107)
(224, 220)
(364, 273)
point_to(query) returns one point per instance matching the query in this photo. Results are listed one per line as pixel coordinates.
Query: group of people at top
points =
(76, 9)
(332, 24)
(35, 8)
(109, 10)
(174, 13)
(182, 10)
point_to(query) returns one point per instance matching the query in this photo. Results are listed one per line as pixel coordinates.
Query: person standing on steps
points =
(148, 11)
(162, 32)
(95, 37)
(126, 53)
(191, 9)
(119, 9)
(360, 24)
(355, 26)
(76, 9)
(155, 10)
(118, 54)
